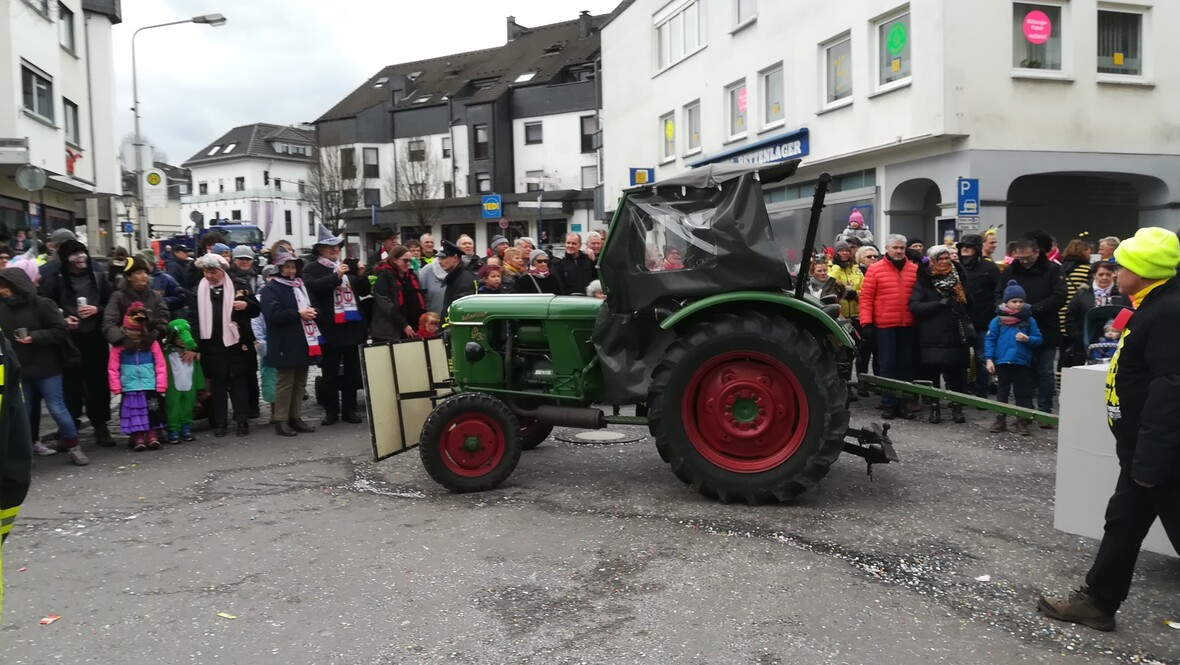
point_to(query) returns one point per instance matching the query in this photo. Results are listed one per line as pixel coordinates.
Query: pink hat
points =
(855, 216)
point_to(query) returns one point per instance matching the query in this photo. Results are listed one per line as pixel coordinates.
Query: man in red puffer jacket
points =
(886, 320)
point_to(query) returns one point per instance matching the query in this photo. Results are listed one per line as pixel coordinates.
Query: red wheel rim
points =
(745, 412)
(472, 445)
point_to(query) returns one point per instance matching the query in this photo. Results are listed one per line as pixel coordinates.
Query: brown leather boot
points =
(283, 429)
(298, 425)
(1000, 425)
(1022, 427)
(1078, 608)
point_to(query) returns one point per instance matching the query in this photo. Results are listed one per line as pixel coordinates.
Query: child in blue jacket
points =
(1008, 348)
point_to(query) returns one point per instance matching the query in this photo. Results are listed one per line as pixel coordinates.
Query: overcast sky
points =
(289, 61)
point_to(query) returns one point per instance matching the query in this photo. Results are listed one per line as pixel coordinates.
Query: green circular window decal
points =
(895, 44)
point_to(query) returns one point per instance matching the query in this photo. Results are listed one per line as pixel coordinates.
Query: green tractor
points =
(741, 381)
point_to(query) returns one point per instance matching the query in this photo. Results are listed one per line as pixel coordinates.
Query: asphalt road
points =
(590, 554)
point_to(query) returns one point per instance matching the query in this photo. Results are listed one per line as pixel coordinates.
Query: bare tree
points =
(327, 192)
(127, 153)
(417, 182)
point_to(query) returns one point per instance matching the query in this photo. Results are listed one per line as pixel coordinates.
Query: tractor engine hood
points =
(479, 309)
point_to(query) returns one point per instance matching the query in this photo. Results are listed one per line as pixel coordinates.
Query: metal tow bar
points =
(928, 393)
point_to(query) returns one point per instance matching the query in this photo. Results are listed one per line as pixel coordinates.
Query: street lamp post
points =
(212, 20)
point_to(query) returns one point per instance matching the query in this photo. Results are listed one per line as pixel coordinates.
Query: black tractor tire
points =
(791, 356)
(532, 433)
(470, 419)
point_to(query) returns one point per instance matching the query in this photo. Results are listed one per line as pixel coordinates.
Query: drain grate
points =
(598, 436)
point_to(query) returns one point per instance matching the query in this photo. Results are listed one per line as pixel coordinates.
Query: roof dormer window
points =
(423, 99)
(381, 82)
(527, 76)
(213, 151)
(229, 148)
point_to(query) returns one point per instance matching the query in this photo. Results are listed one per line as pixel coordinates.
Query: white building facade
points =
(255, 174)
(1063, 109)
(57, 112)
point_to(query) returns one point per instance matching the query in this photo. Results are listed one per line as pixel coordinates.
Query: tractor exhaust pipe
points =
(563, 416)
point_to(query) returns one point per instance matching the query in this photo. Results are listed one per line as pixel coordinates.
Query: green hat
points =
(181, 332)
(1152, 253)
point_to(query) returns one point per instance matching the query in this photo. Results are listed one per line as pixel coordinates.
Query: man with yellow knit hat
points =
(1143, 412)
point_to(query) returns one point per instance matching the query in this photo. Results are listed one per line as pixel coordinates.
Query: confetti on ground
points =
(50, 619)
(21, 569)
(226, 615)
(983, 578)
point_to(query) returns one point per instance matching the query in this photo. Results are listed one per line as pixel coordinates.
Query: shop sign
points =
(774, 149)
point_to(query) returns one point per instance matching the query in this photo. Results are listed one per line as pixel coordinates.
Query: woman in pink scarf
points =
(292, 344)
(219, 313)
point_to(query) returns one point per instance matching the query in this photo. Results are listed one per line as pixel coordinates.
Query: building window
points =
(300, 187)
(1036, 36)
(235, 215)
(533, 133)
(483, 183)
(678, 35)
(221, 186)
(735, 108)
(589, 128)
(745, 11)
(38, 92)
(416, 151)
(202, 188)
(239, 184)
(73, 131)
(590, 176)
(348, 163)
(278, 184)
(446, 147)
(532, 181)
(229, 148)
(310, 223)
(772, 96)
(893, 49)
(448, 190)
(838, 69)
(1120, 42)
(288, 224)
(372, 169)
(481, 141)
(213, 151)
(348, 198)
(692, 123)
(372, 198)
(65, 27)
(667, 137)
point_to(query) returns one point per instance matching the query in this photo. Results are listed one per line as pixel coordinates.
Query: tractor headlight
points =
(474, 352)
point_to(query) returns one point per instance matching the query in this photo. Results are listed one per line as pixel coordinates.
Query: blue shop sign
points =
(780, 148)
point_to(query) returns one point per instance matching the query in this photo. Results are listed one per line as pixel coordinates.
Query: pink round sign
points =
(1037, 27)
(741, 100)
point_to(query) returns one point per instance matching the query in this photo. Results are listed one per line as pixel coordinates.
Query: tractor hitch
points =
(872, 443)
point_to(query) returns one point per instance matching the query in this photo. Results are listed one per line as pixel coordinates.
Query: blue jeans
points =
(1044, 366)
(895, 352)
(49, 389)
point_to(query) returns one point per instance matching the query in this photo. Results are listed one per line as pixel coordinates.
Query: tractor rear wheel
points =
(748, 407)
(470, 442)
(533, 433)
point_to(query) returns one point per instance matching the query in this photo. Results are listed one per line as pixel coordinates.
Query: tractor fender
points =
(809, 316)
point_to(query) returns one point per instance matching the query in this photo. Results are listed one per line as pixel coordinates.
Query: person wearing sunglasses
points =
(538, 279)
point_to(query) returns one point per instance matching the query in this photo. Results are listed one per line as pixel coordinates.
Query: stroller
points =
(1093, 334)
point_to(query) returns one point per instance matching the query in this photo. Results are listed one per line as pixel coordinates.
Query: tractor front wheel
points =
(470, 443)
(748, 407)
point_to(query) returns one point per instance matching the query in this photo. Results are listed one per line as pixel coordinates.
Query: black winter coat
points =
(112, 315)
(1044, 288)
(397, 303)
(41, 358)
(16, 442)
(574, 274)
(218, 360)
(530, 283)
(321, 282)
(982, 279)
(460, 282)
(945, 331)
(60, 289)
(179, 270)
(286, 342)
(1075, 317)
(1141, 400)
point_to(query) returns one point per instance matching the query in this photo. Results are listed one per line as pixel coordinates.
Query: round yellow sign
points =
(153, 179)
